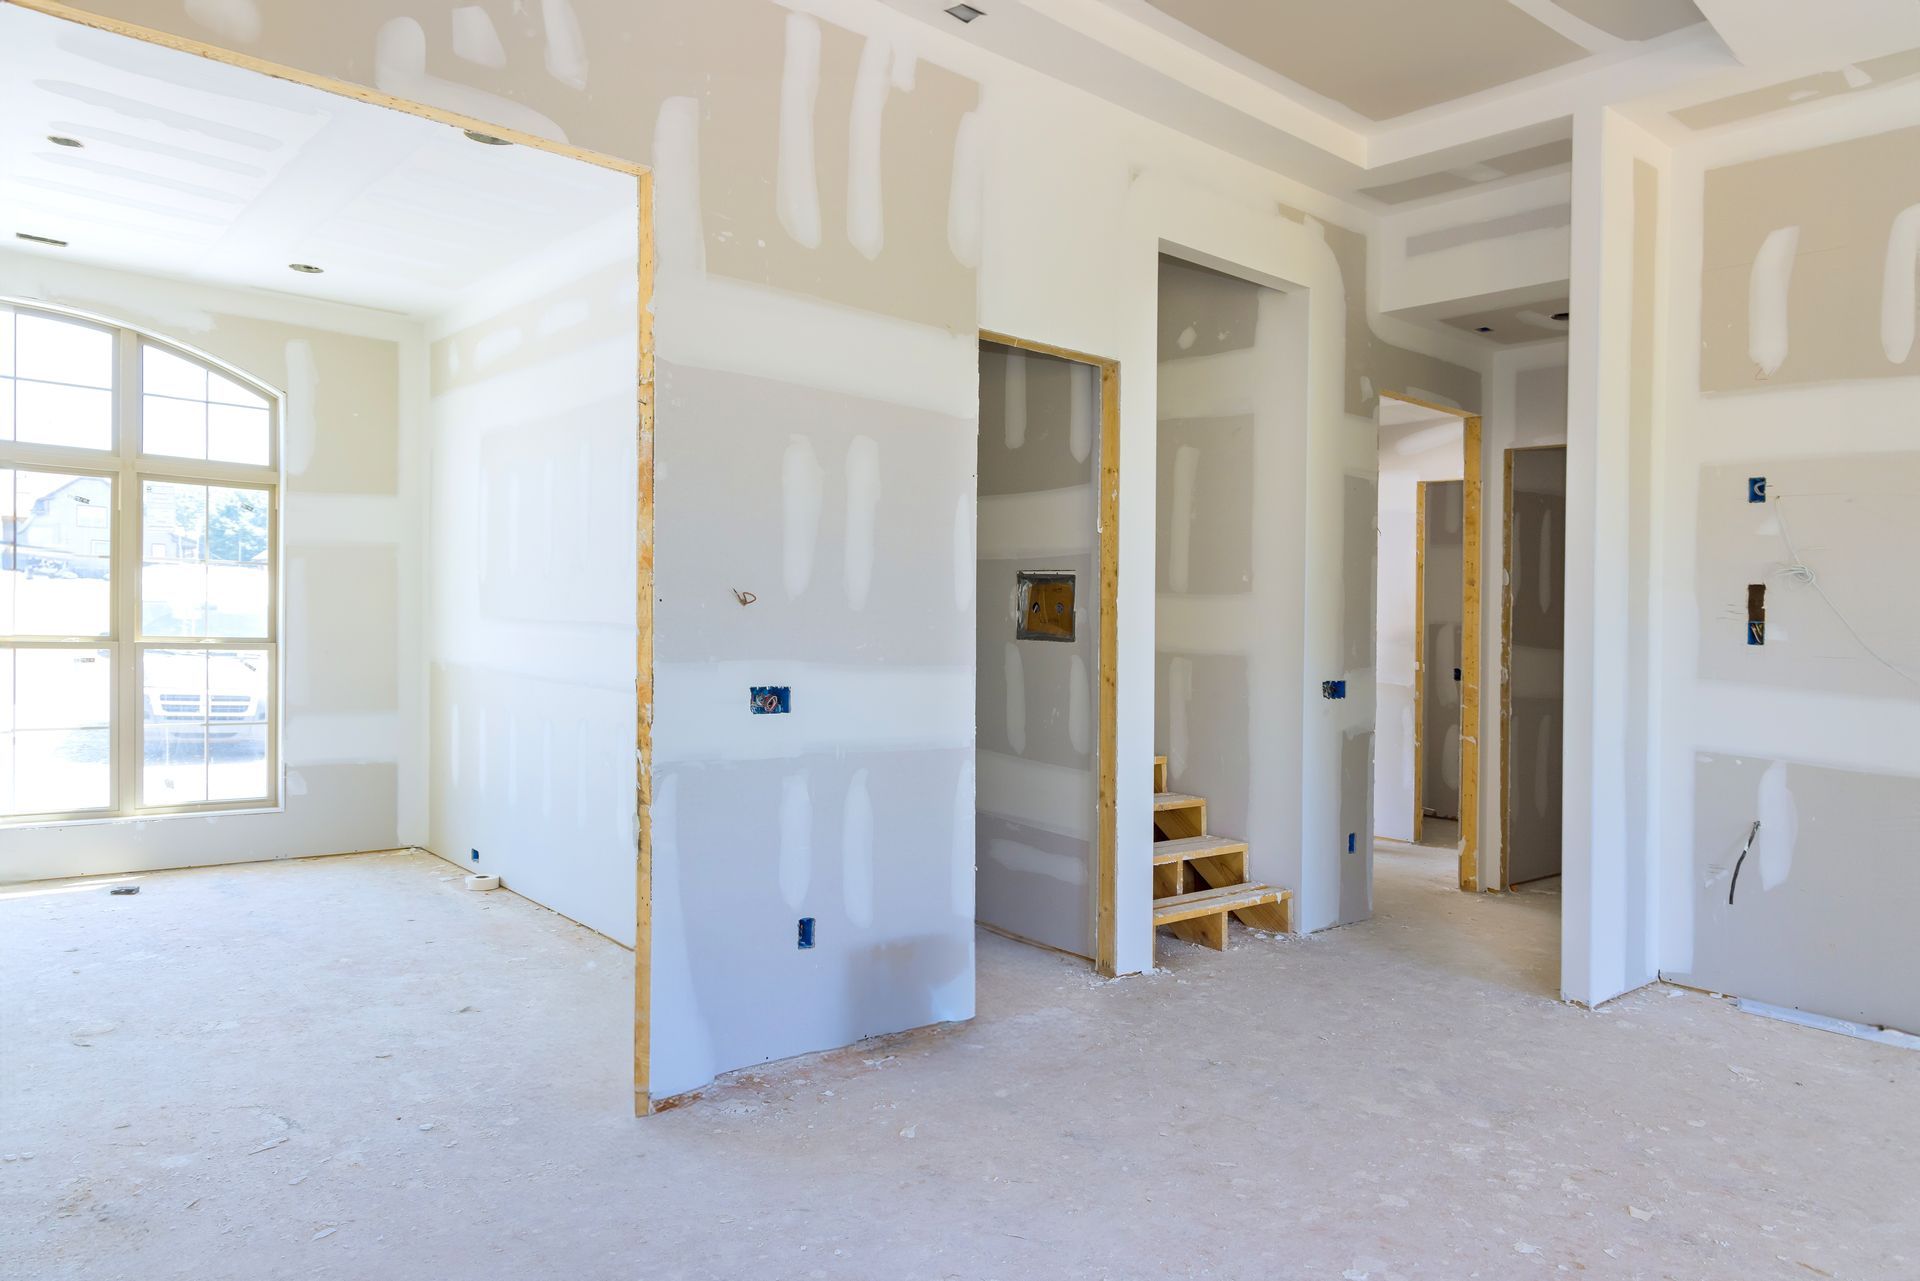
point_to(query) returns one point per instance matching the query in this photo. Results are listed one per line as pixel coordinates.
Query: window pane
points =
(205, 726)
(224, 391)
(177, 428)
(55, 745)
(55, 564)
(237, 435)
(204, 560)
(6, 409)
(56, 414)
(63, 351)
(6, 340)
(164, 374)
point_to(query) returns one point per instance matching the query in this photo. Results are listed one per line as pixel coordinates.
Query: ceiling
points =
(1388, 58)
(195, 169)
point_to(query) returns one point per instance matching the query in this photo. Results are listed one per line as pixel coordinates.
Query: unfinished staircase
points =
(1199, 880)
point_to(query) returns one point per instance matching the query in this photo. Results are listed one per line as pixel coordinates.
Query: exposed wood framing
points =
(1106, 876)
(1419, 659)
(1470, 662)
(643, 707)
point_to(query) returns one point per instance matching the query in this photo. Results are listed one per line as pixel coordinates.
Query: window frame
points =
(128, 469)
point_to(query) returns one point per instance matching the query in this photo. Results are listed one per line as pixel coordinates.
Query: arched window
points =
(139, 575)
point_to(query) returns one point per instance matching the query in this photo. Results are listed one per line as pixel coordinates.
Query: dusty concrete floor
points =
(354, 1068)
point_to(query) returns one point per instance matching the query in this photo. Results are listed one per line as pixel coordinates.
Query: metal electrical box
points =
(1045, 602)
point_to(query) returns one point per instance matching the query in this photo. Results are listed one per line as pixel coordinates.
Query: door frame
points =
(1107, 521)
(1470, 540)
(644, 429)
(1506, 658)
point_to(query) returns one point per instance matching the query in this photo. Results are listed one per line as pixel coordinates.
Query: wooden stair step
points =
(1226, 898)
(1192, 847)
(1159, 773)
(1164, 801)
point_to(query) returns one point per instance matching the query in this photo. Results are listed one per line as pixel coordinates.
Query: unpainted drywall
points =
(1036, 737)
(532, 560)
(353, 772)
(1830, 547)
(1801, 284)
(1536, 609)
(1821, 917)
(1443, 582)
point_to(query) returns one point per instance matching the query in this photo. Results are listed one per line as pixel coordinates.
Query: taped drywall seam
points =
(964, 567)
(1186, 464)
(400, 68)
(1797, 570)
(964, 849)
(475, 39)
(1179, 716)
(303, 385)
(566, 49)
(866, 223)
(1079, 706)
(1768, 287)
(857, 850)
(679, 242)
(230, 19)
(1080, 410)
(1016, 699)
(796, 178)
(863, 503)
(796, 838)
(1014, 415)
(967, 194)
(1779, 826)
(1896, 286)
(801, 483)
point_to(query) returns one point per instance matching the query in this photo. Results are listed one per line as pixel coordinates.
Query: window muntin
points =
(139, 665)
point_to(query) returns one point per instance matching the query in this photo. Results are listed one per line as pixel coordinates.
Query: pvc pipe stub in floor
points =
(478, 882)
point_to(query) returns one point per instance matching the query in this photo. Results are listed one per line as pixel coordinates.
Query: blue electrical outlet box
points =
(1333, 689)
(770, 700)
(806, 932)
(1757, 632)
(1756, 489)
(476, 856)
(1350, 841)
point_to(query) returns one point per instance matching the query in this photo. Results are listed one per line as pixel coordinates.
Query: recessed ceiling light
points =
(40, 240)
(306, 267)
(61, 140)
(1484, 329)
(486, 139)
(966, 12)
(1559, 315)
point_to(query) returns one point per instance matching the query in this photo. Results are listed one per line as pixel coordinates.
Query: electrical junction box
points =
(1045, 602)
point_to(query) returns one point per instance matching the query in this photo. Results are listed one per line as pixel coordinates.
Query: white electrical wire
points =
(1798, 571)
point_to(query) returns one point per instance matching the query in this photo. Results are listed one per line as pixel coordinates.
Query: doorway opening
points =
(1426, 764)
(1047, 564)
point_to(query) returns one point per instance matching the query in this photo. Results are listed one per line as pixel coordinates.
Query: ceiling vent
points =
(966, 12)
(40, 240)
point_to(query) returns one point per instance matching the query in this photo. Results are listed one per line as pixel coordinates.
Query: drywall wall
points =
(827, 184)
(352, 752)
(1035, 783)
(1810, 733)
(1427, 448)
(1443, 581)
(531, 556)
(1536, 586)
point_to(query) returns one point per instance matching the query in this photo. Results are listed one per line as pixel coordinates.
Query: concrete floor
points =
(354, 1068)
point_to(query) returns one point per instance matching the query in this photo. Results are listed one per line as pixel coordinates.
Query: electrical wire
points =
(1798, 571)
